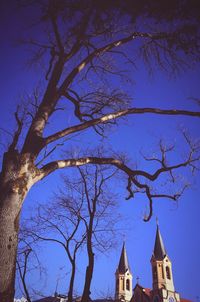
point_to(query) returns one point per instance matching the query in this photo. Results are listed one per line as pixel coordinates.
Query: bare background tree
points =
(28, 262)
(83, 46)
(59, 223)
(56, 223)
(100, 221)
(82, 214)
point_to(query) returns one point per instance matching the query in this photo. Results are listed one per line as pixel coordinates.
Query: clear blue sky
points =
(179, 224)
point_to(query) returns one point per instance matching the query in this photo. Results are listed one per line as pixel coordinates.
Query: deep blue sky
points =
(179, 224)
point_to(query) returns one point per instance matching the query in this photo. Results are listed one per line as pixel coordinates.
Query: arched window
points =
(168, 272)
(127, 284)
(122, 280)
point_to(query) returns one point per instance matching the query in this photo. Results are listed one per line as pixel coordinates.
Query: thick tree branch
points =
(59, 164)
(111, 116)
(57, 34)
(17, 132)
(133, 175)
(99, 51)
(53, 94)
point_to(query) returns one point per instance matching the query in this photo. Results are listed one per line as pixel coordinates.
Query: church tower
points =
(163, 285)
(123, 291)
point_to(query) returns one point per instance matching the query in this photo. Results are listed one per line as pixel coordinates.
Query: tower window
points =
(122, 284)
(168, 273)
(162, 273)
(127, 284)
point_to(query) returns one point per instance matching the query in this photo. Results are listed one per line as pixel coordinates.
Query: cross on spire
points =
(124, 238)
(157, 222)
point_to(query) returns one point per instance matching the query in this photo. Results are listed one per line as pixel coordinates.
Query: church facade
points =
(163, 289)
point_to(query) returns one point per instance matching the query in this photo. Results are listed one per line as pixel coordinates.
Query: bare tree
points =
(22, 268)
(85, 44)
(60, 223)
(27, 263)
(101, 219)
(87, 216)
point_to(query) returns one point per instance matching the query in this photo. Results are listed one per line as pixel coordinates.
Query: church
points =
(163, 289)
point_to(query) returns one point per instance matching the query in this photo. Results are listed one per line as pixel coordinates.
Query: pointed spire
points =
(159, 249)
(123, 262)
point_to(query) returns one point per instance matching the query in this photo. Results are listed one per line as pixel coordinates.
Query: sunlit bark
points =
(116, 115)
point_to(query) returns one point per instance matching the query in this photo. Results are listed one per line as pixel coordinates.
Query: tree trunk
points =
(10, 206)
(89, 273)
(26, 291)
(88, 280)
(23, 277)
(71, 285)
(14, 185)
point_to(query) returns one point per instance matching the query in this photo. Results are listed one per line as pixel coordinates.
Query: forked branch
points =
(137, 178)
(54, 92)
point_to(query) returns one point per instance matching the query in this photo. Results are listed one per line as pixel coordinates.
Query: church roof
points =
(123, 262)
(102, 300)
(159, 249)
(144, 294)
(48, 299)
(145, 290)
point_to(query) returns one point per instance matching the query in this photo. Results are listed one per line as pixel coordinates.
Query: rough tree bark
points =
(9, 216)
(16, 179)
(13, 189)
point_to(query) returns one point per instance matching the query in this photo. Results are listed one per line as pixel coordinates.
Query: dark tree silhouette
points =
(100, 219)
(82, 214)
(27, 262)
(60, 223)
